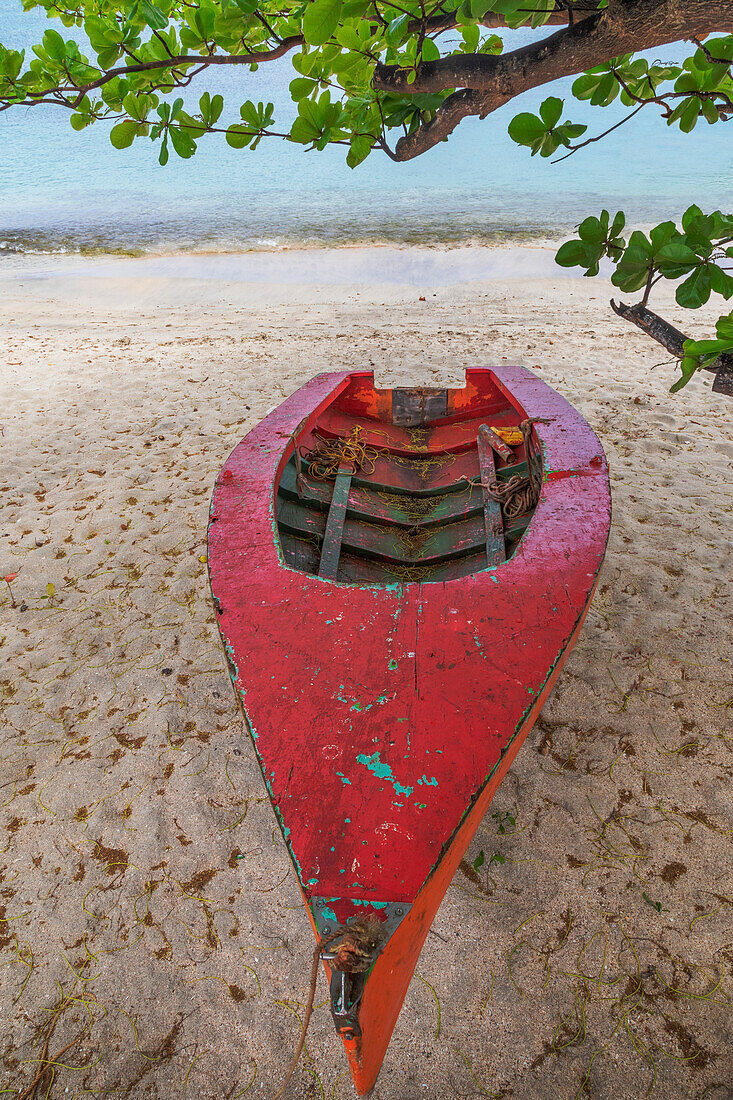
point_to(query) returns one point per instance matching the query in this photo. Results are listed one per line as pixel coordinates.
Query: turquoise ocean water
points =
(66, 192)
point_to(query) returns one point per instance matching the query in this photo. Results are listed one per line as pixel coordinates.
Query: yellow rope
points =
(324, 460)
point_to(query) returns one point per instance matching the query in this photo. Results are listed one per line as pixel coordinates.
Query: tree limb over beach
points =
(488, 82)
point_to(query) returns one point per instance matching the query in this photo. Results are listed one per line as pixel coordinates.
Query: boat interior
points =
(408, 484)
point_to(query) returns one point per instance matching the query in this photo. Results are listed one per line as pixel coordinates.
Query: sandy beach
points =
(153, 941)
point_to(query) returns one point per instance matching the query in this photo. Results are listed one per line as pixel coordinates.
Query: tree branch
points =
(171, 64)
(673, 340)
(655, 326)
(487, 82)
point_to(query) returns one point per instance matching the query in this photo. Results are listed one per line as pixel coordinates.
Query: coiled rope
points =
(520, 493)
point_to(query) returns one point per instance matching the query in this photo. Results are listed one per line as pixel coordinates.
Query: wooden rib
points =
(331, 549)
(378, 504)
(495, 548)
(464, 490)
(434, 438)
(371, 541)
(300, 553)
(355, 569)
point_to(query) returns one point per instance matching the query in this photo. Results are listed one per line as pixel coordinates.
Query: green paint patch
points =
(383, 771)
(358, 705)
(432, 782)
(343, 779)
(392, 664)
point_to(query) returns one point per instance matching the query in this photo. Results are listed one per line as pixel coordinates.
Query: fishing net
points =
(323, 461)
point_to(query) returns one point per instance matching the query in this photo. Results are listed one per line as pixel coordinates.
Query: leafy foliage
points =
(700, 354)
(693, 255)
(543, 134)
(145, 49)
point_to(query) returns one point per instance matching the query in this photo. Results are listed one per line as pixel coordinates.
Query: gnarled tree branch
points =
(486, 82)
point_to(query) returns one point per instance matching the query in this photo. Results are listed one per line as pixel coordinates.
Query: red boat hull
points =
(385, 715)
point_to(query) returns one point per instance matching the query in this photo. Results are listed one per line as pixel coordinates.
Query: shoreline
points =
(352, 264)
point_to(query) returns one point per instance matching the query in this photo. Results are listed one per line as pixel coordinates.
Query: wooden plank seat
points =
(394, 544)
(303, 552)
(382, 504)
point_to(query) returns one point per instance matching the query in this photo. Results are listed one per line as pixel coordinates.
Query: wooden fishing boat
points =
(398, 577)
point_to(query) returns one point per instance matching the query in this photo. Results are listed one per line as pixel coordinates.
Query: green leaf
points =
(471, 36)
(320, 20)
(676, 258)
(571, 254)
(211, 108)
(163, 158)
(695, 291)
(705, 347)
(301, 87)
(526, 128)
(594, 229)
(550, 111)
(79, 121)
(153, 16)
(690, 215)
(360, 148)
(720, 282)
(395, 33)
(123, 134)
(724, 328)
(688, 366)
(182, 142)
(479, 861)
(238, 136)
(635, 263)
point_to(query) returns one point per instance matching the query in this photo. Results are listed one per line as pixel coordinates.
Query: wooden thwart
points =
(331, 549)
(495, 549)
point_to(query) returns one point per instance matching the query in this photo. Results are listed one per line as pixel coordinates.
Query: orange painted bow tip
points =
(10, 577)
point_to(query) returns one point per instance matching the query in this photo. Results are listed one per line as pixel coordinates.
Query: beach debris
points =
(8, 578)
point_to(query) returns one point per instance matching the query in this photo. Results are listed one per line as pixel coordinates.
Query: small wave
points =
(64, 244)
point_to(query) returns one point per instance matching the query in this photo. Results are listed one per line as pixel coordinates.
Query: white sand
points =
(129, 785)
